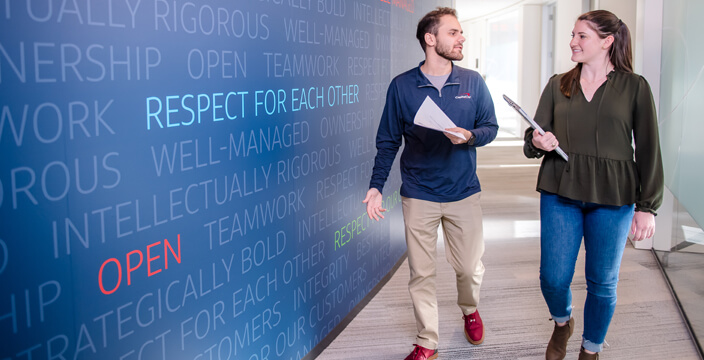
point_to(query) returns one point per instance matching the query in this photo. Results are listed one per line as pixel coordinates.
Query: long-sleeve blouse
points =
(599, 136)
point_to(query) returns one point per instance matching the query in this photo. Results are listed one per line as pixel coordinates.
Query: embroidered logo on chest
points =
(464, 96)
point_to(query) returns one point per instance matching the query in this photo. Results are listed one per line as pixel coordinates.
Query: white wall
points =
(647, 63)
(475, 33)
(566, 13)
(624, 9)
(529, 46)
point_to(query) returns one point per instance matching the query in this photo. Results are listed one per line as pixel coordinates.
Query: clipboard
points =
(532, 123)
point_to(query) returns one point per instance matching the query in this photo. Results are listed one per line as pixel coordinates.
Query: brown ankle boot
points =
(583, 355)
(557, 347)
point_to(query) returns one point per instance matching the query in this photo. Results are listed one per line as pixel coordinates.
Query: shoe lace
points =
(416, 351)
(469, 318)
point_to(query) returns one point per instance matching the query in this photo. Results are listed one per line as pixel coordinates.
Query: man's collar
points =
(422, 80)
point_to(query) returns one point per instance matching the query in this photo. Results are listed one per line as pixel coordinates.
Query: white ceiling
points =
(472, 9)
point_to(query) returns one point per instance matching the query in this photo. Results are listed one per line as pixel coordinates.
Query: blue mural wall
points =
(184, 179)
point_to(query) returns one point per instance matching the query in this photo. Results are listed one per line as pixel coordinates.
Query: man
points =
(438, 172)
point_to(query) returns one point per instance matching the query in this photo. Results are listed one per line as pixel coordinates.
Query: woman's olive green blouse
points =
(598, 136)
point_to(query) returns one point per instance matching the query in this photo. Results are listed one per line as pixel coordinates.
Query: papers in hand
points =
(432, 117)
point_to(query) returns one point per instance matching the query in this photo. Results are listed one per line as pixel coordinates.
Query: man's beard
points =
(446, 53)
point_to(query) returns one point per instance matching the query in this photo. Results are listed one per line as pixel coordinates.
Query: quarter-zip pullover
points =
(432, 168)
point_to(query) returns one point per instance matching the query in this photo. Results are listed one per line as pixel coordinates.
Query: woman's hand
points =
(547, 142)
(643, 225)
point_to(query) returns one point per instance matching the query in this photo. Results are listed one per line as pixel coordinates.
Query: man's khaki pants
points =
(464, 246)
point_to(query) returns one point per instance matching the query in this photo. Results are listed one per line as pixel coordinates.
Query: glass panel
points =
(684, 266)
(681, 109)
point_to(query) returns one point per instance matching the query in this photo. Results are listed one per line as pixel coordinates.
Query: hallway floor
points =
(646, 325)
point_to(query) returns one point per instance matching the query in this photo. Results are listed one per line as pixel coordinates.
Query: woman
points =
(594, 112)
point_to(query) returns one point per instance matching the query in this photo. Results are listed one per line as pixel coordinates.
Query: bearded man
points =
(438, 171)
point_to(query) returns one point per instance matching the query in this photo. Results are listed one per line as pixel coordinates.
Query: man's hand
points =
(643, 225)
(547, 142)
(373, 201)
(457, 140)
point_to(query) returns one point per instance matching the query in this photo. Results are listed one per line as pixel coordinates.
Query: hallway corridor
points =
(647, 323)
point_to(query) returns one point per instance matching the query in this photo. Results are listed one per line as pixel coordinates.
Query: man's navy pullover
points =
(432, 168)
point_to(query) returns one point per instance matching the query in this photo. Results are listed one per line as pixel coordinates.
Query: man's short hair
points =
(429, 23)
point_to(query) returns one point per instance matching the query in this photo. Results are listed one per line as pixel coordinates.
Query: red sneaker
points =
(421, 353)
(474, 328)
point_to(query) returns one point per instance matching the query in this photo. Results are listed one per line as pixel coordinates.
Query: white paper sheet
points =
(432, 117)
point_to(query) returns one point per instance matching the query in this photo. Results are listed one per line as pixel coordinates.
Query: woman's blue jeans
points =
(605, 229)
